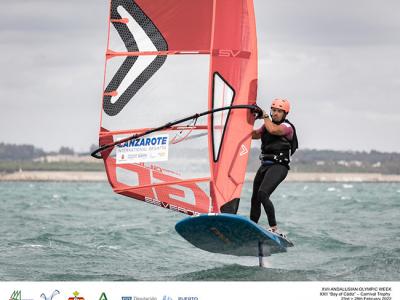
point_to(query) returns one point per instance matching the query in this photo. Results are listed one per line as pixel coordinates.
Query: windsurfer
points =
(278, 143)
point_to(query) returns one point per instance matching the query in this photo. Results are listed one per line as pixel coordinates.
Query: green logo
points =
(16, 295)
(103, 296)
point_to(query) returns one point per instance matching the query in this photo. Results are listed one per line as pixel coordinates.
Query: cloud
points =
(328, 23)
(336, 60)
(54, 57)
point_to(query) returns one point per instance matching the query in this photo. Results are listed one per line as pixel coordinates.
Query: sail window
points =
(223, 95)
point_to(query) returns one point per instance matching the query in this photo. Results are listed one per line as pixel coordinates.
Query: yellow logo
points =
(76, 293)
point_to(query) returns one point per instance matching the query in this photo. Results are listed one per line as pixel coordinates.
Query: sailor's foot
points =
(274, 229)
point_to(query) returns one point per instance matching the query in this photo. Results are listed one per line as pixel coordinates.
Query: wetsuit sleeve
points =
(260, 130)
(288, 131)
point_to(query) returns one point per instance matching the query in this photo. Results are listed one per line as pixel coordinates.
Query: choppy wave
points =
(245, 273)
(82, 231)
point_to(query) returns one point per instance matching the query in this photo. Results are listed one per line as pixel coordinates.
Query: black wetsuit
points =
(268, 177)
(276, 151)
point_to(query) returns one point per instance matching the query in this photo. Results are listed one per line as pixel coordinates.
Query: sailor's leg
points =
(268, 207)
(255, 210)
(272, 178)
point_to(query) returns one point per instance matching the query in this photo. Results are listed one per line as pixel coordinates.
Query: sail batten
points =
(132, 188)
(111, 53)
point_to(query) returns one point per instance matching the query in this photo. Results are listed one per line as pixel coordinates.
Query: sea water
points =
(83, 231)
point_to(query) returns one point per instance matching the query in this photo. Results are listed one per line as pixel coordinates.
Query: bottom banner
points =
(199, 290)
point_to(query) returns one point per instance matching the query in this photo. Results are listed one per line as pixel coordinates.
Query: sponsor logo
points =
(150, 141)
(76, 296)
(221, 236)
(232, 53)
(44, 297)
(103, 296)
(16, 295)
(148, 149)
(243, 151)
(170, 206)
(167, 188)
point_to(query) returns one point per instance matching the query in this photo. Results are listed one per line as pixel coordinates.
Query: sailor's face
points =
(277, 114)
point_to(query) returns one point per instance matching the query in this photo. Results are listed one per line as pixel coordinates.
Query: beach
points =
(76, 176)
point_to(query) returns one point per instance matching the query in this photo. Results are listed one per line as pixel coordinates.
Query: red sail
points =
(167, 59)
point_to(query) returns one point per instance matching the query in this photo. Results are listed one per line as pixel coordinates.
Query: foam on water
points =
(347, 186)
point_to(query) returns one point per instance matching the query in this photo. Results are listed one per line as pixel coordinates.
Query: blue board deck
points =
(230, 234)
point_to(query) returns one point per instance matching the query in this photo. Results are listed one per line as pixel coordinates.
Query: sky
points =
(336, 61)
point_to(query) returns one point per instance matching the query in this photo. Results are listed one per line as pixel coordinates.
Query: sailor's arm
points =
(256, 135)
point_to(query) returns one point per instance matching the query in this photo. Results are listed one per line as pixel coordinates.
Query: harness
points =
(269, 159)
(277, 149)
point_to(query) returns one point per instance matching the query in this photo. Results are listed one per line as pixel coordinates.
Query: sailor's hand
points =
(258, 112)
(265, 115)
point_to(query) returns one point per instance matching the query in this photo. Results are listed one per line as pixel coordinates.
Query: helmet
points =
(283, 104)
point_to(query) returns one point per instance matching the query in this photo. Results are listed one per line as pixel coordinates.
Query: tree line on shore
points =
(312, 160)
(14, 157)
(28, 152)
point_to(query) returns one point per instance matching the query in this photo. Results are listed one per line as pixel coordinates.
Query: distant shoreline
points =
(74, 176)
